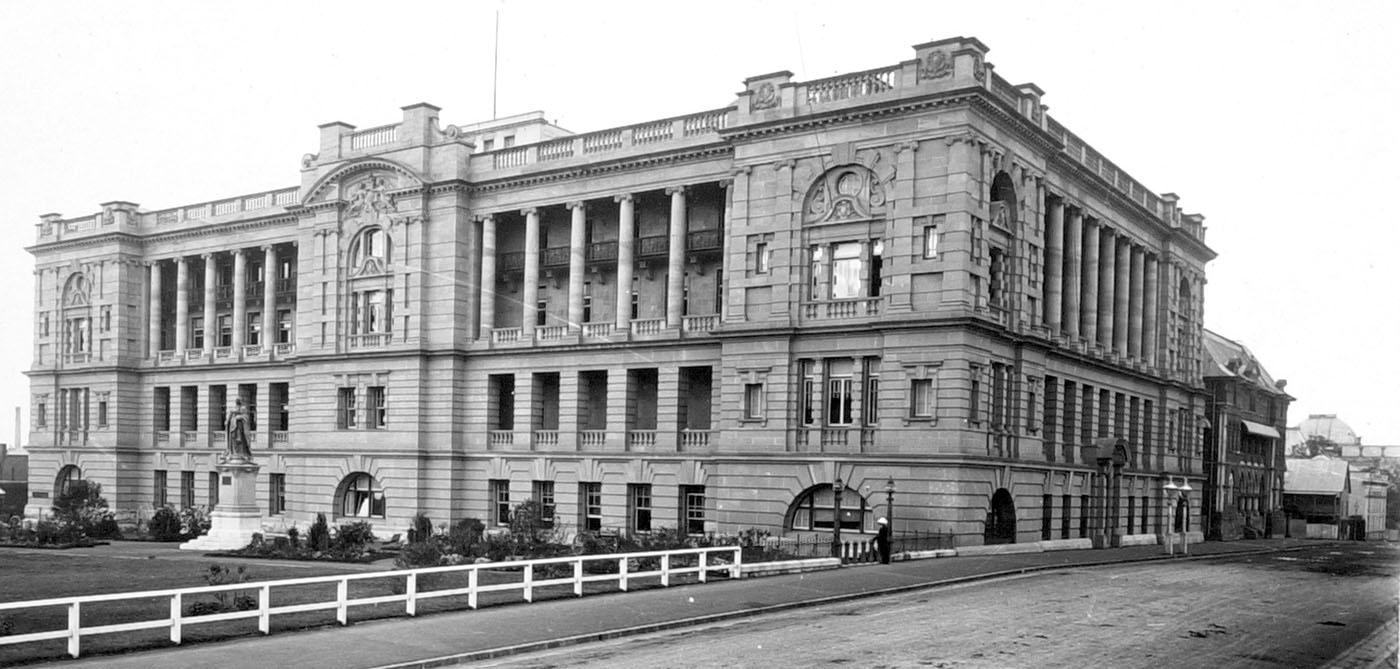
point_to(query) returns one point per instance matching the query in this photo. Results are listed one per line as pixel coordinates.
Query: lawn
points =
(30, 574)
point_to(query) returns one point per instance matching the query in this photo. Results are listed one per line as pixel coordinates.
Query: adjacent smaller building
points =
(1244, 454)
(1316, 493)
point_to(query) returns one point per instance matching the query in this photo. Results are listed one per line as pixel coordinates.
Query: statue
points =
(236, 425)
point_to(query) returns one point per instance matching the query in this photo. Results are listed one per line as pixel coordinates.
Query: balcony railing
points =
(704, 240)
(652, 246)
(592, 438)
(856, 308)
(855, 85)
(285, 348)
(190, 438)
(288, 285)
(597, 329)
(551, 333)
(194, 353)
(279, 436)
(649, 326)
(500, 437)
(223, 352)
(546, 438)
(252, 350)
(555, 256)
(835, 436)
(505, 335)
(705, 323)
(162, 436)
(641, 439)
(165, 356)
(598, 251)
(694, 439)
(370, 340)
(512, 262)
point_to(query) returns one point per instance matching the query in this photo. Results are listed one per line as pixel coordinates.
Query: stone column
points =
(576, 257)
(1089, 279)
(488, 276)
(1135, 305)
(675, 266)
(1054, 257)
(182, 305)
(1074, 241)
(269, 306)
(1149, 311)
(530, 292)
(154, 335)
(209, 278)
(626, 231)
(1121, 291)
(1107, 257)
(240, 301)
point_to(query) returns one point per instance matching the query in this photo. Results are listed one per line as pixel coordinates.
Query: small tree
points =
(80, 509)
(318, 538)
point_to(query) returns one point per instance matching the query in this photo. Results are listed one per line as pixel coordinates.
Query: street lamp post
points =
(889, 503)
(836, 489)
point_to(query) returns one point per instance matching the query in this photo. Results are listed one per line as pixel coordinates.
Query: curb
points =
(503, 651)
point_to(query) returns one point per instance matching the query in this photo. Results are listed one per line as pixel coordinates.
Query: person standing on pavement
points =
(882, 540)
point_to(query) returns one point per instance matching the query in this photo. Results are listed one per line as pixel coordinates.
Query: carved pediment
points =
(849, 192)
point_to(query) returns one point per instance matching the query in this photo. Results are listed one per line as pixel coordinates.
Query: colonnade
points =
(626, 258)
(239, 289)
(1101, 285)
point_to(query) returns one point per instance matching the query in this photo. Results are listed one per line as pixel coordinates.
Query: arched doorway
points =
(1001, 520)
(66, 476)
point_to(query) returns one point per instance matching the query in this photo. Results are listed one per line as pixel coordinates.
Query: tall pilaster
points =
(269, 299)
(576, 258)
(488, 275)
(182, 305)
(1089, 279)
(1149, 310)
(675, 266)
(240, 298)
(1107, 256)
(154, 335)
(626, 231)
(1135, 305)
(1121, 293)
(529, 302)
(210, 332)
(1054, 259)
(1074, 242)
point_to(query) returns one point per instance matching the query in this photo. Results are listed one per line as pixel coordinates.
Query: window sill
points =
(760, 422)
(927, 420)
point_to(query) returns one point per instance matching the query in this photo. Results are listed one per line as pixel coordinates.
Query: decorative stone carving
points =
(937, 65)
(308, 160)
(369, 199)
(764, 97)
(844, 193)
(979, 71)
(75, 294)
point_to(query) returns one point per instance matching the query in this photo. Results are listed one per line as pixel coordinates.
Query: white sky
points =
(1276, 120)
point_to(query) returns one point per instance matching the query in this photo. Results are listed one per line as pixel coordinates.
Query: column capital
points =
(486, 217)
(624, 197)
(912, 147)
(206, 256)
(576, 204)
(266, 247)
(673, 190)
(240, 253)
(530, 211)
(726, 183)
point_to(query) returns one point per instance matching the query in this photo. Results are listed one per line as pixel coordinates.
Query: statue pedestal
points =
(237, 515)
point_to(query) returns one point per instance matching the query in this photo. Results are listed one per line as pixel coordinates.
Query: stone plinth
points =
(237, 515)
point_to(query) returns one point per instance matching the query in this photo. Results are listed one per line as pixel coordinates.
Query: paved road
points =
(1284, 610)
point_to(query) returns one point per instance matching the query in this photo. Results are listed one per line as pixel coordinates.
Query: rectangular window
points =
(41, 414)
(639, 496)
(158, 499)
(508, 141)
(488, 144)
(816, 290)
(1132, 513)
(542, 305)
(1086, 418)
(845, 270)
(1147, 420)
(254, 334)
(974, 400)
(693, 509)
(753, 401)
(544, 494)
(197, 332)
(1066, 507)
(635, 307)
(276, 494)
(931, 241)
(162, 409)
(762, 258)
(1104, 408)
(838, 391)
(1032, 408)
(499, 490)
(921, 398)
(345, 409)
(378, 407)
(213, 489)
(1047, 520)
(1144, 507)
(1083, 516)
(186, 490)
(590, 506)
(225, 330)
(101, 413)
(870, 400)
(284, 326)
(807, 410)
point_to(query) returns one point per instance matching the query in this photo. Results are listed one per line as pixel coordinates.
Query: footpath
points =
(460, 637)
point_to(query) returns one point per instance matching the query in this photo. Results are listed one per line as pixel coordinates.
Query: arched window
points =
(65, 478)
(815, 509)
(360, 496)
(1183, 326)
(370, 251)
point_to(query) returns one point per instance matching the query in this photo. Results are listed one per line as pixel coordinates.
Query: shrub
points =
(234, 600)
(48, 532)
(464, 537)
(79, 509)
(352, 538)
(194, 521)
(318, 538)
(164, 525)
(422, 528)
(294, 537)
(107, 528)
(419, 554)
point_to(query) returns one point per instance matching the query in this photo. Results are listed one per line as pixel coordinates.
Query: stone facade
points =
(908, 277)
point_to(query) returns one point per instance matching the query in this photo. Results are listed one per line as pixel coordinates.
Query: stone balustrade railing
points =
(371, 137)
(703, 124)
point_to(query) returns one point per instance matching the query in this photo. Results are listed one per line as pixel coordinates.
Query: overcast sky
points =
(1275, 120)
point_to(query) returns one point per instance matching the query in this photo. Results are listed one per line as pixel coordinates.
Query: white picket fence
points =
(726, 559)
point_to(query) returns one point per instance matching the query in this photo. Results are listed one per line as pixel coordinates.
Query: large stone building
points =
(909, 276)
(1244, 449)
